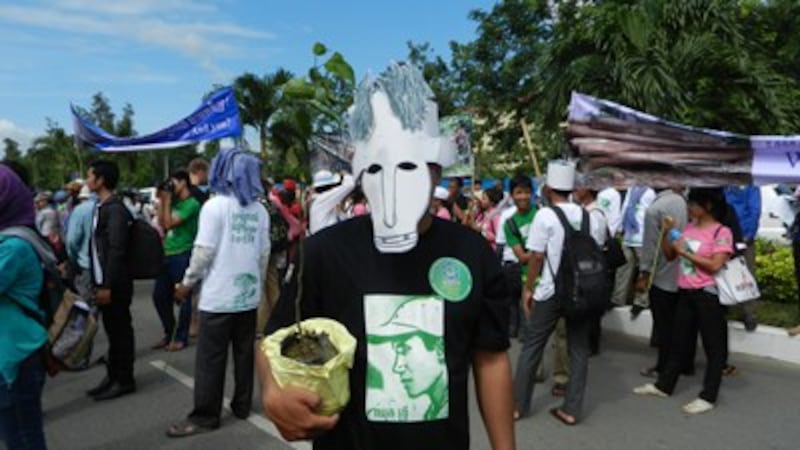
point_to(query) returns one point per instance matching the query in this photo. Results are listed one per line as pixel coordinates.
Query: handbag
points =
(735, 283)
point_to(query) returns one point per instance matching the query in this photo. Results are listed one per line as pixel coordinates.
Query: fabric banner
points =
(622, 146)
(216, 118)
(459, 128)
(776, 159)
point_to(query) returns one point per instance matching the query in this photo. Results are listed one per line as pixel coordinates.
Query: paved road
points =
(757, 410)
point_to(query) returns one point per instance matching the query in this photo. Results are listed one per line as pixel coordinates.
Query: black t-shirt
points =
(417, 316)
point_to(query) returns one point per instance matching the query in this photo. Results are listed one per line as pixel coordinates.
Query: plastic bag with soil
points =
(318, 360)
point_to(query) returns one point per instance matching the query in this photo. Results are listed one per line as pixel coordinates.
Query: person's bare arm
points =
(535, 264)
(711, 265)
(493, 386)
(522, 256)
(290, 409)
(166, 219)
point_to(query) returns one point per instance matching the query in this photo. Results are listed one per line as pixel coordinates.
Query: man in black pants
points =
(660, 277)
(111, 279)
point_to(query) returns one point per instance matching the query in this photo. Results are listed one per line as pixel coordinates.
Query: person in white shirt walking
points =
(330, 190)
(636, 203)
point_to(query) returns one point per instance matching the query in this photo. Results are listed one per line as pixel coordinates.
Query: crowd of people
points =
(431, 276)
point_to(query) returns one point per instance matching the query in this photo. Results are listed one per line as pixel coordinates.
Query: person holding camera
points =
(178, 215)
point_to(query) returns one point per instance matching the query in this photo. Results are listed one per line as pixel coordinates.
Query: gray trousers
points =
(217, 332)
(625, 279)
(534, 336)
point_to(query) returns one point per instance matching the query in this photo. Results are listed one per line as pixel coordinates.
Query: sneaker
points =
(750, 324)
(650, 389)
(635, 311)
(697, 406)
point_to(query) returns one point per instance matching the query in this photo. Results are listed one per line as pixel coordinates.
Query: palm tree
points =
(259, 98)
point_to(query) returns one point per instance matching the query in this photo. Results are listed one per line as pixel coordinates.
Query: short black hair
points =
(182, 175)
(495, 195)
(522, 181)
(107, 170)
(457, 181)
(710, 199)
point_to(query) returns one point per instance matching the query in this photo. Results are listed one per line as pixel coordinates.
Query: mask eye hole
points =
(373, 169)
(407, 166)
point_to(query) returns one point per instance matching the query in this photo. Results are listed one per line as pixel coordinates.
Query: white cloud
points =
(136, 7)
(9, 129)
(142, 21)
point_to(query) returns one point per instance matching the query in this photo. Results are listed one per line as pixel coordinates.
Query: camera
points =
(167, 186)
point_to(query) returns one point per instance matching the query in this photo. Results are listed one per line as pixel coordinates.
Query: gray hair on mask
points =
(409, 96)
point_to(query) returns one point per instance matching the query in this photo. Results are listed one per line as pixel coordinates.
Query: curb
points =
(765, 341)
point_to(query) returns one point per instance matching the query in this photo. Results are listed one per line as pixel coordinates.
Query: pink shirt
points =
(705, 242)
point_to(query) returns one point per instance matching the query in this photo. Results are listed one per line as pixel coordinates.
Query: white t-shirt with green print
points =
(238, 236)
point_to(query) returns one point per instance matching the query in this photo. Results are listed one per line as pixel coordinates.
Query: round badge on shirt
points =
(450, 279)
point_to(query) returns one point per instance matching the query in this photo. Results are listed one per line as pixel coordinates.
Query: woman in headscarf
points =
(22, 334)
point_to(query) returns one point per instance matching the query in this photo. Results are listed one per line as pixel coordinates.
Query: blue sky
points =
(163, 55)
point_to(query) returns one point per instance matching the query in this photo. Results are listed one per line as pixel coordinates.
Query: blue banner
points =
(216, 118)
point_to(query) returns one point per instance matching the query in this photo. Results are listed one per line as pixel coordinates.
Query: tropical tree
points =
(259, 97)
(11, 151)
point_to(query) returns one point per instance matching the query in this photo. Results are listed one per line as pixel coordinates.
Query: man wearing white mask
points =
(424, 297)
(330, 190)
(542, 307)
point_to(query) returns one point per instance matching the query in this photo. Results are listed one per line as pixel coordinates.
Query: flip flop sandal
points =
(730, 371)
(557, 413)
(184, 429)
(176, 346)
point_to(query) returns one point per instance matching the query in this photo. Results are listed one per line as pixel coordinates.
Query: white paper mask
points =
(395, 128)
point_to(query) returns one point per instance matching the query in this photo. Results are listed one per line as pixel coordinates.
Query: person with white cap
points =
(330, 189)
(79, 233)
(431, 288)
(546, 244)
(438, 208)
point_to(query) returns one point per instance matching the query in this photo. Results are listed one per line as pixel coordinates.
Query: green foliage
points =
(11, 150)
(775, 273)
(728, 64)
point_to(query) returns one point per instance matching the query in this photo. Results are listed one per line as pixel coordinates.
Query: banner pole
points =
(531, 150)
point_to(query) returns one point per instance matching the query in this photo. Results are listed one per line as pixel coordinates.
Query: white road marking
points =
(255, 419)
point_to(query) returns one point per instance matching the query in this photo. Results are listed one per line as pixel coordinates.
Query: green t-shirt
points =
(181, 238)
(523, 222)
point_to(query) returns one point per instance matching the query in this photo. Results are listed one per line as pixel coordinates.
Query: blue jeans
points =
(164, 298)
(21, 425)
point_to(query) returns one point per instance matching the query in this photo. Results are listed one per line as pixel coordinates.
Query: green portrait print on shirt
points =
(406, 366)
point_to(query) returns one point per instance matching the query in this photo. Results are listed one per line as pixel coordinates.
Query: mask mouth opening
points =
(396, 243)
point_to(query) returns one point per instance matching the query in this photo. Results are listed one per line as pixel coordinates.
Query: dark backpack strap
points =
(585, 222)
(516, 231)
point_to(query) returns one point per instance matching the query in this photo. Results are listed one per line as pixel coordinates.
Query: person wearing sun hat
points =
(330, 190)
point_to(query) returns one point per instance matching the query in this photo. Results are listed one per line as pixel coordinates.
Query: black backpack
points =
(145, 255)
(582, 285)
